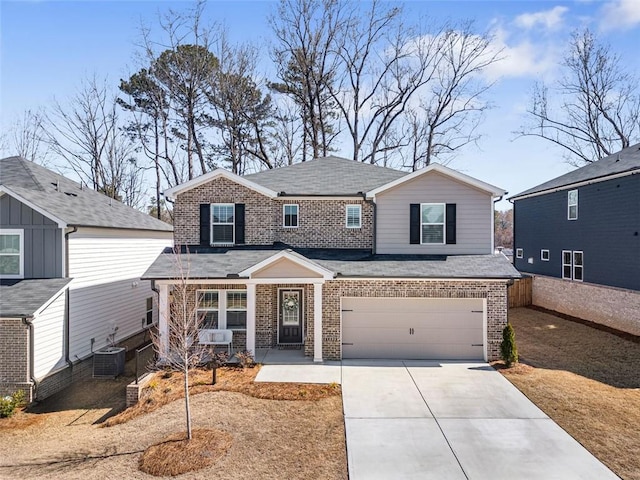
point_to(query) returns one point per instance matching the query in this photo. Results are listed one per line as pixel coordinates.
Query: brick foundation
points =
(14, 357)
(614, 307)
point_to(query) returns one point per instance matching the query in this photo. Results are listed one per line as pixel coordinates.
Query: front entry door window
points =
(290, 316)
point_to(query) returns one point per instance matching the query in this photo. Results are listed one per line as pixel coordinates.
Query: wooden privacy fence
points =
(520, 292)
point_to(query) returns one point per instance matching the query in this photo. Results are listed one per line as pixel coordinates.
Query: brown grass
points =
(21, 419)
(165, 388)
(586, 380)
(176, 455)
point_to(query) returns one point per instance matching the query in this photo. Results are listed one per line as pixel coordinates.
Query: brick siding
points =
(614, 307)
(14, 357)
(321, 223)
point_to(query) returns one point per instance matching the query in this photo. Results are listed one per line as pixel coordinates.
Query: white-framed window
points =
(572, 204)
(290, 216)
(432, 217)
(353, 216)
(544, 255)
(222, 223)
(148, 318)
(208, 308)
(519, 253)
(566, 264)
(236, 310)
(578, 266)
(12, 253)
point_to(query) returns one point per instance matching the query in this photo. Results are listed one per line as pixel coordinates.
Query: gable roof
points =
(171, 193)
(624, 162)
(66, 202)
(435, 167)
(329, 176)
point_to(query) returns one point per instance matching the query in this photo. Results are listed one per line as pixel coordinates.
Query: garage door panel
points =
(412, 328)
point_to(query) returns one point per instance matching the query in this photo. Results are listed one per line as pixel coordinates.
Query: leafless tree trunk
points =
(27, 138)
(597, 108)
(184, 351)
(87, 134)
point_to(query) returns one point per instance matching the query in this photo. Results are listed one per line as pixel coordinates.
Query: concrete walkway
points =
(423, 420)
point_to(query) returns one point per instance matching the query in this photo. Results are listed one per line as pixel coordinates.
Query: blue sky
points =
(47, 47)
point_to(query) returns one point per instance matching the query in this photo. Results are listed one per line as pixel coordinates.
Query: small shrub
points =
(508, 348)
(9, 403)
(245, 359)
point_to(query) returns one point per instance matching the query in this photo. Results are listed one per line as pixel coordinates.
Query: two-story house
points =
(70, 266)
(347, 259)
(579, 235)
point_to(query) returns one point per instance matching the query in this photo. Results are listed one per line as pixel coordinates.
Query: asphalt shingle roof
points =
(220, 263)
(627, 159)
(66, 200)
(326, 176)
(22, 298)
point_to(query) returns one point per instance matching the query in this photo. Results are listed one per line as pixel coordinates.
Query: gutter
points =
(28, 322)
(68, 299)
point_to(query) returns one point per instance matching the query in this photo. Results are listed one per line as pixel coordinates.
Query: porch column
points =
(163, 319)
(251, 318)
(317, 322)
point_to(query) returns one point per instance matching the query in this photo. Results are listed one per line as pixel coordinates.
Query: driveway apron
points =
(422, 420)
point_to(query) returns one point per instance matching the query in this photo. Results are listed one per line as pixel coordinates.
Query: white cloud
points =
(550, 19)
(523, 58)
(620, 15)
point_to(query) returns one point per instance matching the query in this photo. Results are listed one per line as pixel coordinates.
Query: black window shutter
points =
(451, 223)
(239, 219)
(414, 224)
(205, 224)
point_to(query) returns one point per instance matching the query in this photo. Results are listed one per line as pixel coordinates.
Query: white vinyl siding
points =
(48, 338)
(474, 211)
(106, 266)
(353, 216)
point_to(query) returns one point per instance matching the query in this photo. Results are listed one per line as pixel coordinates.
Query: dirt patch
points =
(168, 387)
(176, 455)
(272, 439)
(586, 380)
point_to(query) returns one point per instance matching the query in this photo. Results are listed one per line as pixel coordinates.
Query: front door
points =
(290, 316)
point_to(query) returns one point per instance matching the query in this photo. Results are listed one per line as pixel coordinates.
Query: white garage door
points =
(412, 328)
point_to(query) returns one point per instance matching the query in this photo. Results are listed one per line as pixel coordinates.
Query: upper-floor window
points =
(433, 221)
(11, 254)
(544, 255)
(222, 223)
(353, 216)
(572, 205)
(519, 253)
(290, 216)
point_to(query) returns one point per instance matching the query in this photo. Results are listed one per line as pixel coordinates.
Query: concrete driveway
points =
(419, 419)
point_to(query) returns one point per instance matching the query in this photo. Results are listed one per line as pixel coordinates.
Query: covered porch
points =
(273, 308)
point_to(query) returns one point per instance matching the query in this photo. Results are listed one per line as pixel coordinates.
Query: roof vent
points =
(71, 194)
(57, 185)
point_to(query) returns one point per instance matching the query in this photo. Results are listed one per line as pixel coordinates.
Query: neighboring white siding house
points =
(107, 295)
(48, 340)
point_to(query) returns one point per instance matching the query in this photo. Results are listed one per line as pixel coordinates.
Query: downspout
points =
(28, 322)
(67, 300)
(493, 224)
(375, 223)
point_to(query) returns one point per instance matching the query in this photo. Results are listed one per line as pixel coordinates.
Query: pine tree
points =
(508, 347)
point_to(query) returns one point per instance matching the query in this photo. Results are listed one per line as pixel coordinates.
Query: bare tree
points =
(26, 137)
(86, 133)
(504, 228)
(452, 106)
(180, 350)
(597, 108)
(306, 31)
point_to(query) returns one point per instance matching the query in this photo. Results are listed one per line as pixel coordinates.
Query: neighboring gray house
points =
(70, 266)
(343, 259)
(579, 235)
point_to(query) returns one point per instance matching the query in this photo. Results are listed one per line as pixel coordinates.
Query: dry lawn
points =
(587, 380)
(269, 439)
